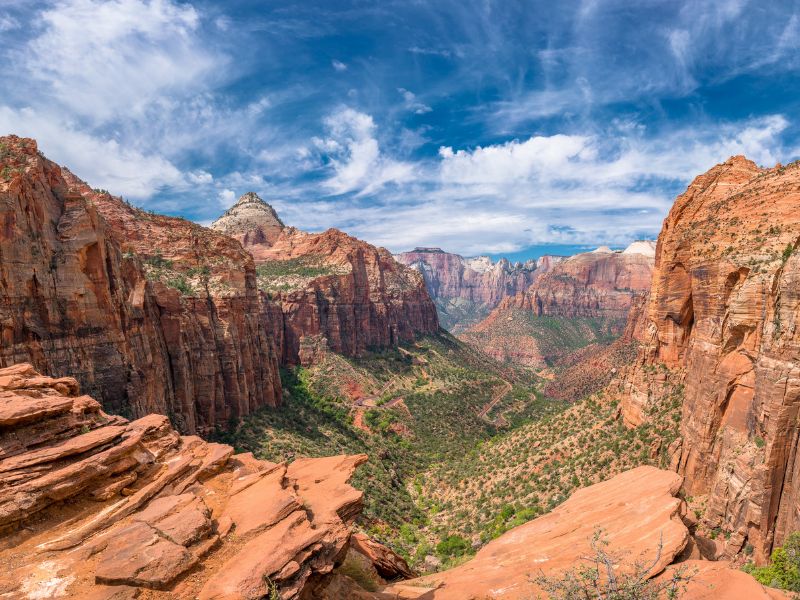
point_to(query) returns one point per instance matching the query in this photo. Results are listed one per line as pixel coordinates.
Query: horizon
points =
(482, 128)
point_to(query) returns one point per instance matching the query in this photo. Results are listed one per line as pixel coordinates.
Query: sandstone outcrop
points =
(149, 313)
(580, 301)
(96, 506)
(635, 525)
(466, 289)
(600, 284)
(724, 322)
(330, 286)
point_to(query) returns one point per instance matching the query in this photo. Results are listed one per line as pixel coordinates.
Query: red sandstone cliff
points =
(88, 286)
(466, 289)
(724, 320)
(586, 299)
(593, 284)
(330, 286)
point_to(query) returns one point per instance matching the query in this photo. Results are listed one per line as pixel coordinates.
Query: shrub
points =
(453, 545)
(784, 569)
(603, 579)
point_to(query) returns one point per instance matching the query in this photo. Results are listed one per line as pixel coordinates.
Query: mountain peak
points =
(250, 198)
(251, 221)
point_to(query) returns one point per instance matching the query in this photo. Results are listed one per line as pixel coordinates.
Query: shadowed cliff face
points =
(333, 289)
(149, 313)
(724, 320)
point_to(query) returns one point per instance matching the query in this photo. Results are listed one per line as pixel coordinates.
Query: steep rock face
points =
(335, 289)
(593, 284)
(88, 288)
(578, 302)
(465, 289)
(95, 506)
(724, 320)
(633, 525)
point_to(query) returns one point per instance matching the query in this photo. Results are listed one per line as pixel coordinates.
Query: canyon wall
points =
(577, 303)
(466, 289)
(593, 284)
(724, 321)
(332, 288)
(157, 314)
(76, 298)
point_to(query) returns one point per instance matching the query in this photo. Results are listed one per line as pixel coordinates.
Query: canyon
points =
(580, 301)
(467, 289)
(131, 340)
(157, 314)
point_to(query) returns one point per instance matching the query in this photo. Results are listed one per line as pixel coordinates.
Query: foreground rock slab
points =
(637, 511)
(94, 506)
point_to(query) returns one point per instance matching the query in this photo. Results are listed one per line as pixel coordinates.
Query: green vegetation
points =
(553, 338)
(293, 273)
(521, 474)
(783, 571)
(461, 448)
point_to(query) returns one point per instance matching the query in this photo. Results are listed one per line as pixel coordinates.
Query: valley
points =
(274, 413)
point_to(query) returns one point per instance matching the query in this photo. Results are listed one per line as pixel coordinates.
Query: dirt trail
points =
(499, 395)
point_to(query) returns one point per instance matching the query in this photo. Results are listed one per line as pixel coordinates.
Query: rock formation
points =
(329, 285)
(724, 321)
(634, 525)
(466, 289)
(581, 300)
(96, 507)
(601, 284)
(149, 313)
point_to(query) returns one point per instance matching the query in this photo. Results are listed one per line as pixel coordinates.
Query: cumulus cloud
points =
(226, 198)
(355, 155)
(412, 104)
(338, 65)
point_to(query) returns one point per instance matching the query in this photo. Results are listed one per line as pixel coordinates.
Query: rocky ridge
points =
(335, 291)
(96, 506)
(149, 313)
(466, 289)
(579, 301)
(723, 322)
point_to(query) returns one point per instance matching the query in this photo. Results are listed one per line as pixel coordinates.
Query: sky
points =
(508, 128)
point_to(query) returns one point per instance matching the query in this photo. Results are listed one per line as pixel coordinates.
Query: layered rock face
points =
(98, 507)
(333, 289)
(465, 289)
(578, 302)
(149, 313)
(634, 525)
(724, 320)
(602, 284)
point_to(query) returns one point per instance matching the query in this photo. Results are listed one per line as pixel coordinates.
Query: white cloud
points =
(7, 23)
(338, 65)
(355, 155)
(103, 162)
(411, 102)
(227, 198)
(104, 58)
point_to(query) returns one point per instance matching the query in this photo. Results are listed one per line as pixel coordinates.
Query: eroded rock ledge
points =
(95, 506)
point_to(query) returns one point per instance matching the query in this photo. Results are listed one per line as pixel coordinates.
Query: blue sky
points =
(501, 127)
